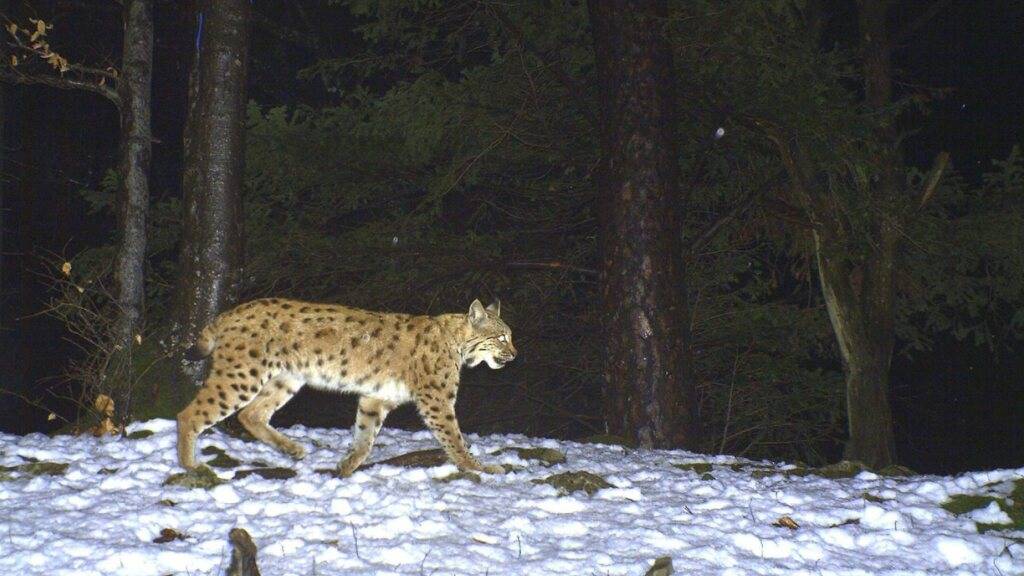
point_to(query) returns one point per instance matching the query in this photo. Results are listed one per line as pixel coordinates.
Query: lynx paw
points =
(492, 469)
(294, 450)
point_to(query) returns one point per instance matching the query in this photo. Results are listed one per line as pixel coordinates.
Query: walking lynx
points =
(264, 351)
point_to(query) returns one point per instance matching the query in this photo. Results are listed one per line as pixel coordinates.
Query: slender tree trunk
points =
(3, 188)
(211, 253)
(136, 151)
(649, 390)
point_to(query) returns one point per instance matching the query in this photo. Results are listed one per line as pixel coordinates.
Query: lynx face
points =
(492, 342)
(264, 351)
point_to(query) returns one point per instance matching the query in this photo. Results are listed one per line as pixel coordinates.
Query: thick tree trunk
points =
(211, 253)
(649, 390)
(136, 151)
(863, 329)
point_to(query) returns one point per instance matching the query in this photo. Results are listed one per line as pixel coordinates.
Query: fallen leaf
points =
(169, 535)
(12, 28)
(66, 268)
(104, 404)
(786, 522)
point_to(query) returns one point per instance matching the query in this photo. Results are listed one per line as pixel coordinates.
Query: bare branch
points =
(920, 21)
(286, 34)
(705, 236)
(574, 89)
(934, 176)
(61, 82)
(43, 52)
(553, 265)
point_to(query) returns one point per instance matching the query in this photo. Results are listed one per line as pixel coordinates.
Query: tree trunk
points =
(134, 88)
(211, 252)
(243, 554)
(649, 390)
(872, 435)
(865, 345)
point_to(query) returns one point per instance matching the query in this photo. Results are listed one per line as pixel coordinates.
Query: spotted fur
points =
(264, 351)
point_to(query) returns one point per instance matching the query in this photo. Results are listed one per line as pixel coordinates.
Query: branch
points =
(286, 34)
(920, 21)
(560, 75)
(61, 83)
(43, 53)
(553, 265)
(934, 176)
(705, 236)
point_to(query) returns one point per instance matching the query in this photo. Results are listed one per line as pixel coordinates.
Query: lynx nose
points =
(511, 352)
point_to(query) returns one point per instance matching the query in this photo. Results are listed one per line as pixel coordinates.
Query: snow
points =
(101, 516)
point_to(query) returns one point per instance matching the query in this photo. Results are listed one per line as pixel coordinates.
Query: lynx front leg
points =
(439, 416)
(369, 418)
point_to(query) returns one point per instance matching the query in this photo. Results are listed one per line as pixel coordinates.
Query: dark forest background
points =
(412, 156)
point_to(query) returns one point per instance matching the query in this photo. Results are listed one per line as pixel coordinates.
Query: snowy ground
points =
(101, 515)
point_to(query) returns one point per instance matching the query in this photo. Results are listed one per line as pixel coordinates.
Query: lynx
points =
(264, 351)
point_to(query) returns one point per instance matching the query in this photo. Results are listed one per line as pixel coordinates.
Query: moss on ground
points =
(661, 567)
(220, 459)
(569, 482)
(546, 456)
(1013, 506)
(695, 467)
(609, 440)
(269, 473)
(199, 477)
(32, 469)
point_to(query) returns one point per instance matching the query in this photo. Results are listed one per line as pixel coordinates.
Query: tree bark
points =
(211, 252)
(872, 435)
(134, 90)
(649, 393)
(243, 554)
(865, 345)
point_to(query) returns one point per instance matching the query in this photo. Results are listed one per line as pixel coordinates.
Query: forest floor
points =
(100, 506)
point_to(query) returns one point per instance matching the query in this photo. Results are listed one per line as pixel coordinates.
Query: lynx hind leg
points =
(256, 416)
(369, 418)
(217, 399)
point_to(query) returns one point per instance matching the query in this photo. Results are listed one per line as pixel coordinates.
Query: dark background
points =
(957, 407)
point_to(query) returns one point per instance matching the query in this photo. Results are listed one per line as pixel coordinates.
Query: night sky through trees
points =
(956, 407)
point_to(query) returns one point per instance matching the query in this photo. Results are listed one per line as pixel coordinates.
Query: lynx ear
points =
(495, 307)
(476, 313)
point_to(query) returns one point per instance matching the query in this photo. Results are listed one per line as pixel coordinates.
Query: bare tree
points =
(136, 152)
(30, 59)
(211, 252)
(649, 389)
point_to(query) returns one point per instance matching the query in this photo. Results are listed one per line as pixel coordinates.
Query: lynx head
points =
(490, 339)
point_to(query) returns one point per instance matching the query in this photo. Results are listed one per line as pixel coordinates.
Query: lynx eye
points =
(502, 338)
